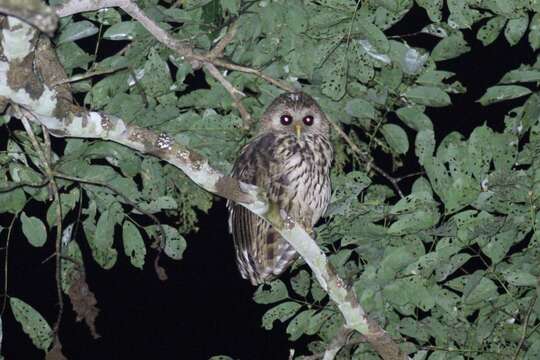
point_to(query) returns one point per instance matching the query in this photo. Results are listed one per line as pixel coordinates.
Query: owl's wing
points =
(261, 253)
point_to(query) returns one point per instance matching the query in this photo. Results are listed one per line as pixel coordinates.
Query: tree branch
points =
(234, 92)
(72, 121)
(34, 12)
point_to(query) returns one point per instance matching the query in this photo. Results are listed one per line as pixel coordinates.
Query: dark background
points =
(205, 308)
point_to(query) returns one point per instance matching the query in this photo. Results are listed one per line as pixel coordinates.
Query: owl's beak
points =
(298, 130)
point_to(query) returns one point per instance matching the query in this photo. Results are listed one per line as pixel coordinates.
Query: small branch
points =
(234, 92)
(524, 328)
(6, 268)
(369, 162)
(54, 187)
(34, 12)
(89, 74)
(217, 51)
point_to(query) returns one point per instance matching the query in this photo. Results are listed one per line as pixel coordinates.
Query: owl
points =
(290, 159)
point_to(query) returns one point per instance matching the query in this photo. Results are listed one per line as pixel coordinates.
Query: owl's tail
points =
(261, 253)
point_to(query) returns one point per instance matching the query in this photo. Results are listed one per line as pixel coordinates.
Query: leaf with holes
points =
(133, 244)
(33, 324)
(521, 278)
(297, 327)
(175, 244)
(278, 291)
(281, 312)
(300, 283)
(489, 32)
(515, 29)
(335, 78)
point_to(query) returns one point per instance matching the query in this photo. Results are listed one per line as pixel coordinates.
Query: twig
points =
(524, 328)
(89, 74)
(369, 162)
(401, 178)
(217, 51)
(234, 92)
(4, 303)
(44, 157)
(33, 12)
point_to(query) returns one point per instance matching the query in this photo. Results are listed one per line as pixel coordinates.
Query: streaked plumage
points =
(290, 158)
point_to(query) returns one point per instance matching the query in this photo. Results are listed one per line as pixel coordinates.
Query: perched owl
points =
(290, 159)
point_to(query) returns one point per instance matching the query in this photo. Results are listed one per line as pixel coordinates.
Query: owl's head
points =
(297, 113)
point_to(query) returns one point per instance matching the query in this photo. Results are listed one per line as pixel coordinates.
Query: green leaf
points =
(33, 324)
(126, 30)
(12, 201)
(76, 31)
(450, 47)
(301, 282)
(498, 245)
(521, 278)
(534, 32)
(489, 32)
(157, 77)
(521, 75)
(500, 93)
(278, 291)
(414, 117)
(425, 146)
(34, 230)
(133, 244)
(428, 95)
(175, 244)
(72, 56)
(515, 29)
(104, 237)
(396, 137)
(433, 9)
(360, 108)
(296, 17)
(318, 320)
(335, 80)
(374, 35)
(297, 327)
(281, 312)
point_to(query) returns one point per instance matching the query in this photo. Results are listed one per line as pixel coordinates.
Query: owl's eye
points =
(308, 120)
(285, 119)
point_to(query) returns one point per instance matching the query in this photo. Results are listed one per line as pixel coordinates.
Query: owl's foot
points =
(273, 215)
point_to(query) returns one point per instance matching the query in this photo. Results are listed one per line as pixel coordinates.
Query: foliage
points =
(451, 269)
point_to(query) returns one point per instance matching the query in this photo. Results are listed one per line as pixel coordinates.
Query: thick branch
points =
(33, 11)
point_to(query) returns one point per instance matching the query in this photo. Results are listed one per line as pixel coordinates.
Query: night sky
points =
(205, 308)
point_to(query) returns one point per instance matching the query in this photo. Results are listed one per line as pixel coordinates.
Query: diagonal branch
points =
(48, 110)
